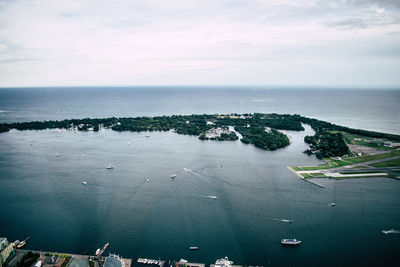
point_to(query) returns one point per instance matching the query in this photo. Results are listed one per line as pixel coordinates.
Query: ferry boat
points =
(23, 243)
(223, 262)
(173, 175)
(193, 248)
(290, 242)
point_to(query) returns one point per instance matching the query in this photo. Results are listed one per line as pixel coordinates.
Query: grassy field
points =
(359, 167)
(354, 139)
(362, 159)
(389, 163)
(333, 163)
(312, 175)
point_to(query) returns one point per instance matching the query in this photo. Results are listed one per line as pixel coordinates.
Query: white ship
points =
(290, 242)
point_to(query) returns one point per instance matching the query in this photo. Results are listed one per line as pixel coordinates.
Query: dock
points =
(102, 250)
(304, 179)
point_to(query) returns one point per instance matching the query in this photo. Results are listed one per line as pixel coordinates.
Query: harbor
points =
(13, 256)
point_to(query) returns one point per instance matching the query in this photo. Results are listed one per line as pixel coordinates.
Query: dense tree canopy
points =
(258, 129)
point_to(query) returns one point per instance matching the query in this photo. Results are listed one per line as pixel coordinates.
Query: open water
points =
(142, 212)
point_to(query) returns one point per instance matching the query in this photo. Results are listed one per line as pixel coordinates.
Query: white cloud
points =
(88, 42)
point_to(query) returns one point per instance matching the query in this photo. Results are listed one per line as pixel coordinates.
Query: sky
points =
(206, 42)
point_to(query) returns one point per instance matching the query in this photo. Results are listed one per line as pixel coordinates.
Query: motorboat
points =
(391, 231)
(290, 241)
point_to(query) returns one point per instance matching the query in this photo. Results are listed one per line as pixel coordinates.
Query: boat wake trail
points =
(198, 175)
(282, 220)
(212, 197)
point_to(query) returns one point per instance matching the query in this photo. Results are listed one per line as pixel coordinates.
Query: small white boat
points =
(290, 241)
(286, 221)
(98, 251)
(391, 231)
(212, 197)
(333, 204)
(173, 175)
(84, 183)
(57, 155)
(147, 135)
(148, 179)
(193, 248)
(110, 167)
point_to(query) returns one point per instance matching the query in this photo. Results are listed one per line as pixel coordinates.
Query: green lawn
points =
(332, 163)
(389, 163)
(373, 157)
(359, 167)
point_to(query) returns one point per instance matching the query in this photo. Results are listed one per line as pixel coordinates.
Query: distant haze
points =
(306, 42)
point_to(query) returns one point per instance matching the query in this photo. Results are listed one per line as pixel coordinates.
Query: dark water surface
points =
(42, 194)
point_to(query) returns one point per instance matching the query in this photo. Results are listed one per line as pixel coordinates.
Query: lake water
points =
(142, 212)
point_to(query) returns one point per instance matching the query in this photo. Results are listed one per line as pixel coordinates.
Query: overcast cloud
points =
(207, 42)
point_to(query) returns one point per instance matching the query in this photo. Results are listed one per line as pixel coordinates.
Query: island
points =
(347, 152)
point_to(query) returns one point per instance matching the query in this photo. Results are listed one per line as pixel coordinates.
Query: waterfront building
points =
(52, 261)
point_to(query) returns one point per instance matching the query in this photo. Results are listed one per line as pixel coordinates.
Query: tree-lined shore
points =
(259, 129)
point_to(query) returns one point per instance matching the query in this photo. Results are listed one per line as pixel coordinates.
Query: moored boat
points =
(290, 241)
(223, 262)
